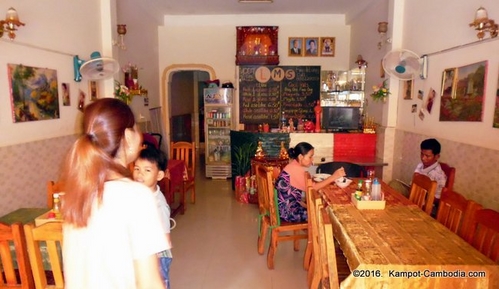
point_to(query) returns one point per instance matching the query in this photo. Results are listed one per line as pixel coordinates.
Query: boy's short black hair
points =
(155, 156)
(431, 144)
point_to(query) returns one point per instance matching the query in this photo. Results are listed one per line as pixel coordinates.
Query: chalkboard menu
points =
(268, 93)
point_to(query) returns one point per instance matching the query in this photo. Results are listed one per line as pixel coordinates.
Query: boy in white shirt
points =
(149, 169)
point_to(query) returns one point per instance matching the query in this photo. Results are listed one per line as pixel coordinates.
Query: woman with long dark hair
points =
(112, 229)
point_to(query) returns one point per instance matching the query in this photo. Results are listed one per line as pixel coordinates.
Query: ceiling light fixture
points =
(382, 29)
(121, 29)
(10, 23)
(256, 1)
(361, 62)
(483, 24)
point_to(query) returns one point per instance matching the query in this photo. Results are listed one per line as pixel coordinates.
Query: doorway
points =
(183, 104)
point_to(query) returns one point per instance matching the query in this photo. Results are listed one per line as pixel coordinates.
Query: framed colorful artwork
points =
(311, 46)
(33, 93)
(408, 89)
(495, 124)
(327, 46)
(295, 46)
(257, 45)
(94, 92)
(463, 93)
(66, 97)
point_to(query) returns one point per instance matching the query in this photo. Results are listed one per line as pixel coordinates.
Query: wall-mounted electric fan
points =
(96, 68)
(402, 64)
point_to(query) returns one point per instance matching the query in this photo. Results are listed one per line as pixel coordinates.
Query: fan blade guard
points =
(401, 64)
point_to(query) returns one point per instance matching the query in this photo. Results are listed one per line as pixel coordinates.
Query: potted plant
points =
(241, 166)
(380, 93)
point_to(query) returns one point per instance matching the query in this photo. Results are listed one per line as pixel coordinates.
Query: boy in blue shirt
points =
(149, 169)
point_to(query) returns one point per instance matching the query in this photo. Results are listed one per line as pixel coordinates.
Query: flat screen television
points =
(341, 118)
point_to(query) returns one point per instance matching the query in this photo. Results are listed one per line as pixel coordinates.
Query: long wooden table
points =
(402, 247)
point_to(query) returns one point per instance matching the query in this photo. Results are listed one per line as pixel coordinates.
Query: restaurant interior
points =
(174, 48)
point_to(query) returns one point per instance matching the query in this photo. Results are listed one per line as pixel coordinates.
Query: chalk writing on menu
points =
(269, 92)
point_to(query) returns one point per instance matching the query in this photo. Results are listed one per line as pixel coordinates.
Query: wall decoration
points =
(66, 98)
(295, 46)
(33, 93)
(327, 46)
(430, 100)
(420, 94)
(94, 93)
(414, 108)
(462, 97)
(311, 46)
(496, 110)
(257, 45)
(408, 88)
(81, 100)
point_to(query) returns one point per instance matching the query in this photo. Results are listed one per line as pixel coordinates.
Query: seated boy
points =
(429, 166)
(150, 168)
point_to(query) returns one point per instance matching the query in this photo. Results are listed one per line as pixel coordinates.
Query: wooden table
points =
(177, 172)
(23, 215)
(401, 247)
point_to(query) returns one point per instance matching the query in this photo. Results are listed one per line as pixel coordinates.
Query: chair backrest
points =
(185, 151)
(484, 233)
(263, 188)
(451, 210)
(423, 192)
(352, 170)
(269, 198)
(450, 172)
(469, 214)
(55, 187)
(49, 234)
(14, 234)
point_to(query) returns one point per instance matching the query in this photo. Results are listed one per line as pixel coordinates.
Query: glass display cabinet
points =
(218, 106)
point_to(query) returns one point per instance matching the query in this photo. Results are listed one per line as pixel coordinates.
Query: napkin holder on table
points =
(368, 205)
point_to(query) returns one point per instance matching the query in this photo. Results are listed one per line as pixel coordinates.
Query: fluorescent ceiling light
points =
(256, 1)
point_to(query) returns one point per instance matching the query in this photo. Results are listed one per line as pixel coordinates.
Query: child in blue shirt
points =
(149, 169)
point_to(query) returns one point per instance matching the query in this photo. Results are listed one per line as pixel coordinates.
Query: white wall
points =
(432, 26)
(65, 28)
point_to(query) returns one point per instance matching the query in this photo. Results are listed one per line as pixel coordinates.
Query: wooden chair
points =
(483, 233)
(423, 192)
(280, 231)
(55, 187)
(51, 234)
(14, 234)
(450, 172)
(323, 267)
(451, 210)
(187, 152)
(471, 208)
(263, 186)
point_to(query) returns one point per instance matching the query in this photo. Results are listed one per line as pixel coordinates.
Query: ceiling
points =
(233, 7)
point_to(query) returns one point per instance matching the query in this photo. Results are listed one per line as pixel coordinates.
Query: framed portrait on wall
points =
(94, 92)
(327, 46)
(295, 46)
(408, 89)
(311, 46)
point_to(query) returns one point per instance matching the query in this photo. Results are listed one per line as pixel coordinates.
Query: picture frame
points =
(408, 89)
(34, 93)
(448, 83)
(94, 91)
(66, 97)
(327, 46)
(257, 45)
(311, 46)
(295, 46)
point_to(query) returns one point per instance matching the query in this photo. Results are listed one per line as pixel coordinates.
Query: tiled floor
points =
(215, 245)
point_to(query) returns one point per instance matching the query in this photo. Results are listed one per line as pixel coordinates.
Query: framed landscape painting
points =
(463, 92)
(33, 93)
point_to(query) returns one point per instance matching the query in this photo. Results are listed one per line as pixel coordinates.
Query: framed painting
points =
(66, 97)
(327, 46)
(408, 89)
(463, 93)
(311, 46)
(257, 45)
(495, 124)
(295, 46)
(33, 93)
(94, 92)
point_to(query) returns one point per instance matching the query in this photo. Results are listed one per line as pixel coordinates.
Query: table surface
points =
(401, 239)
(23, 215)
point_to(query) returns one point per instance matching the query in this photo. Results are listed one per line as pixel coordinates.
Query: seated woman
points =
(291, 183)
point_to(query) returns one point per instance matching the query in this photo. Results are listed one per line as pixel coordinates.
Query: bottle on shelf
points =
(56, 207)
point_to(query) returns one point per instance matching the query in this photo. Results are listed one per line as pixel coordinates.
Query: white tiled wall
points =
(26, 168)
(477, 168)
